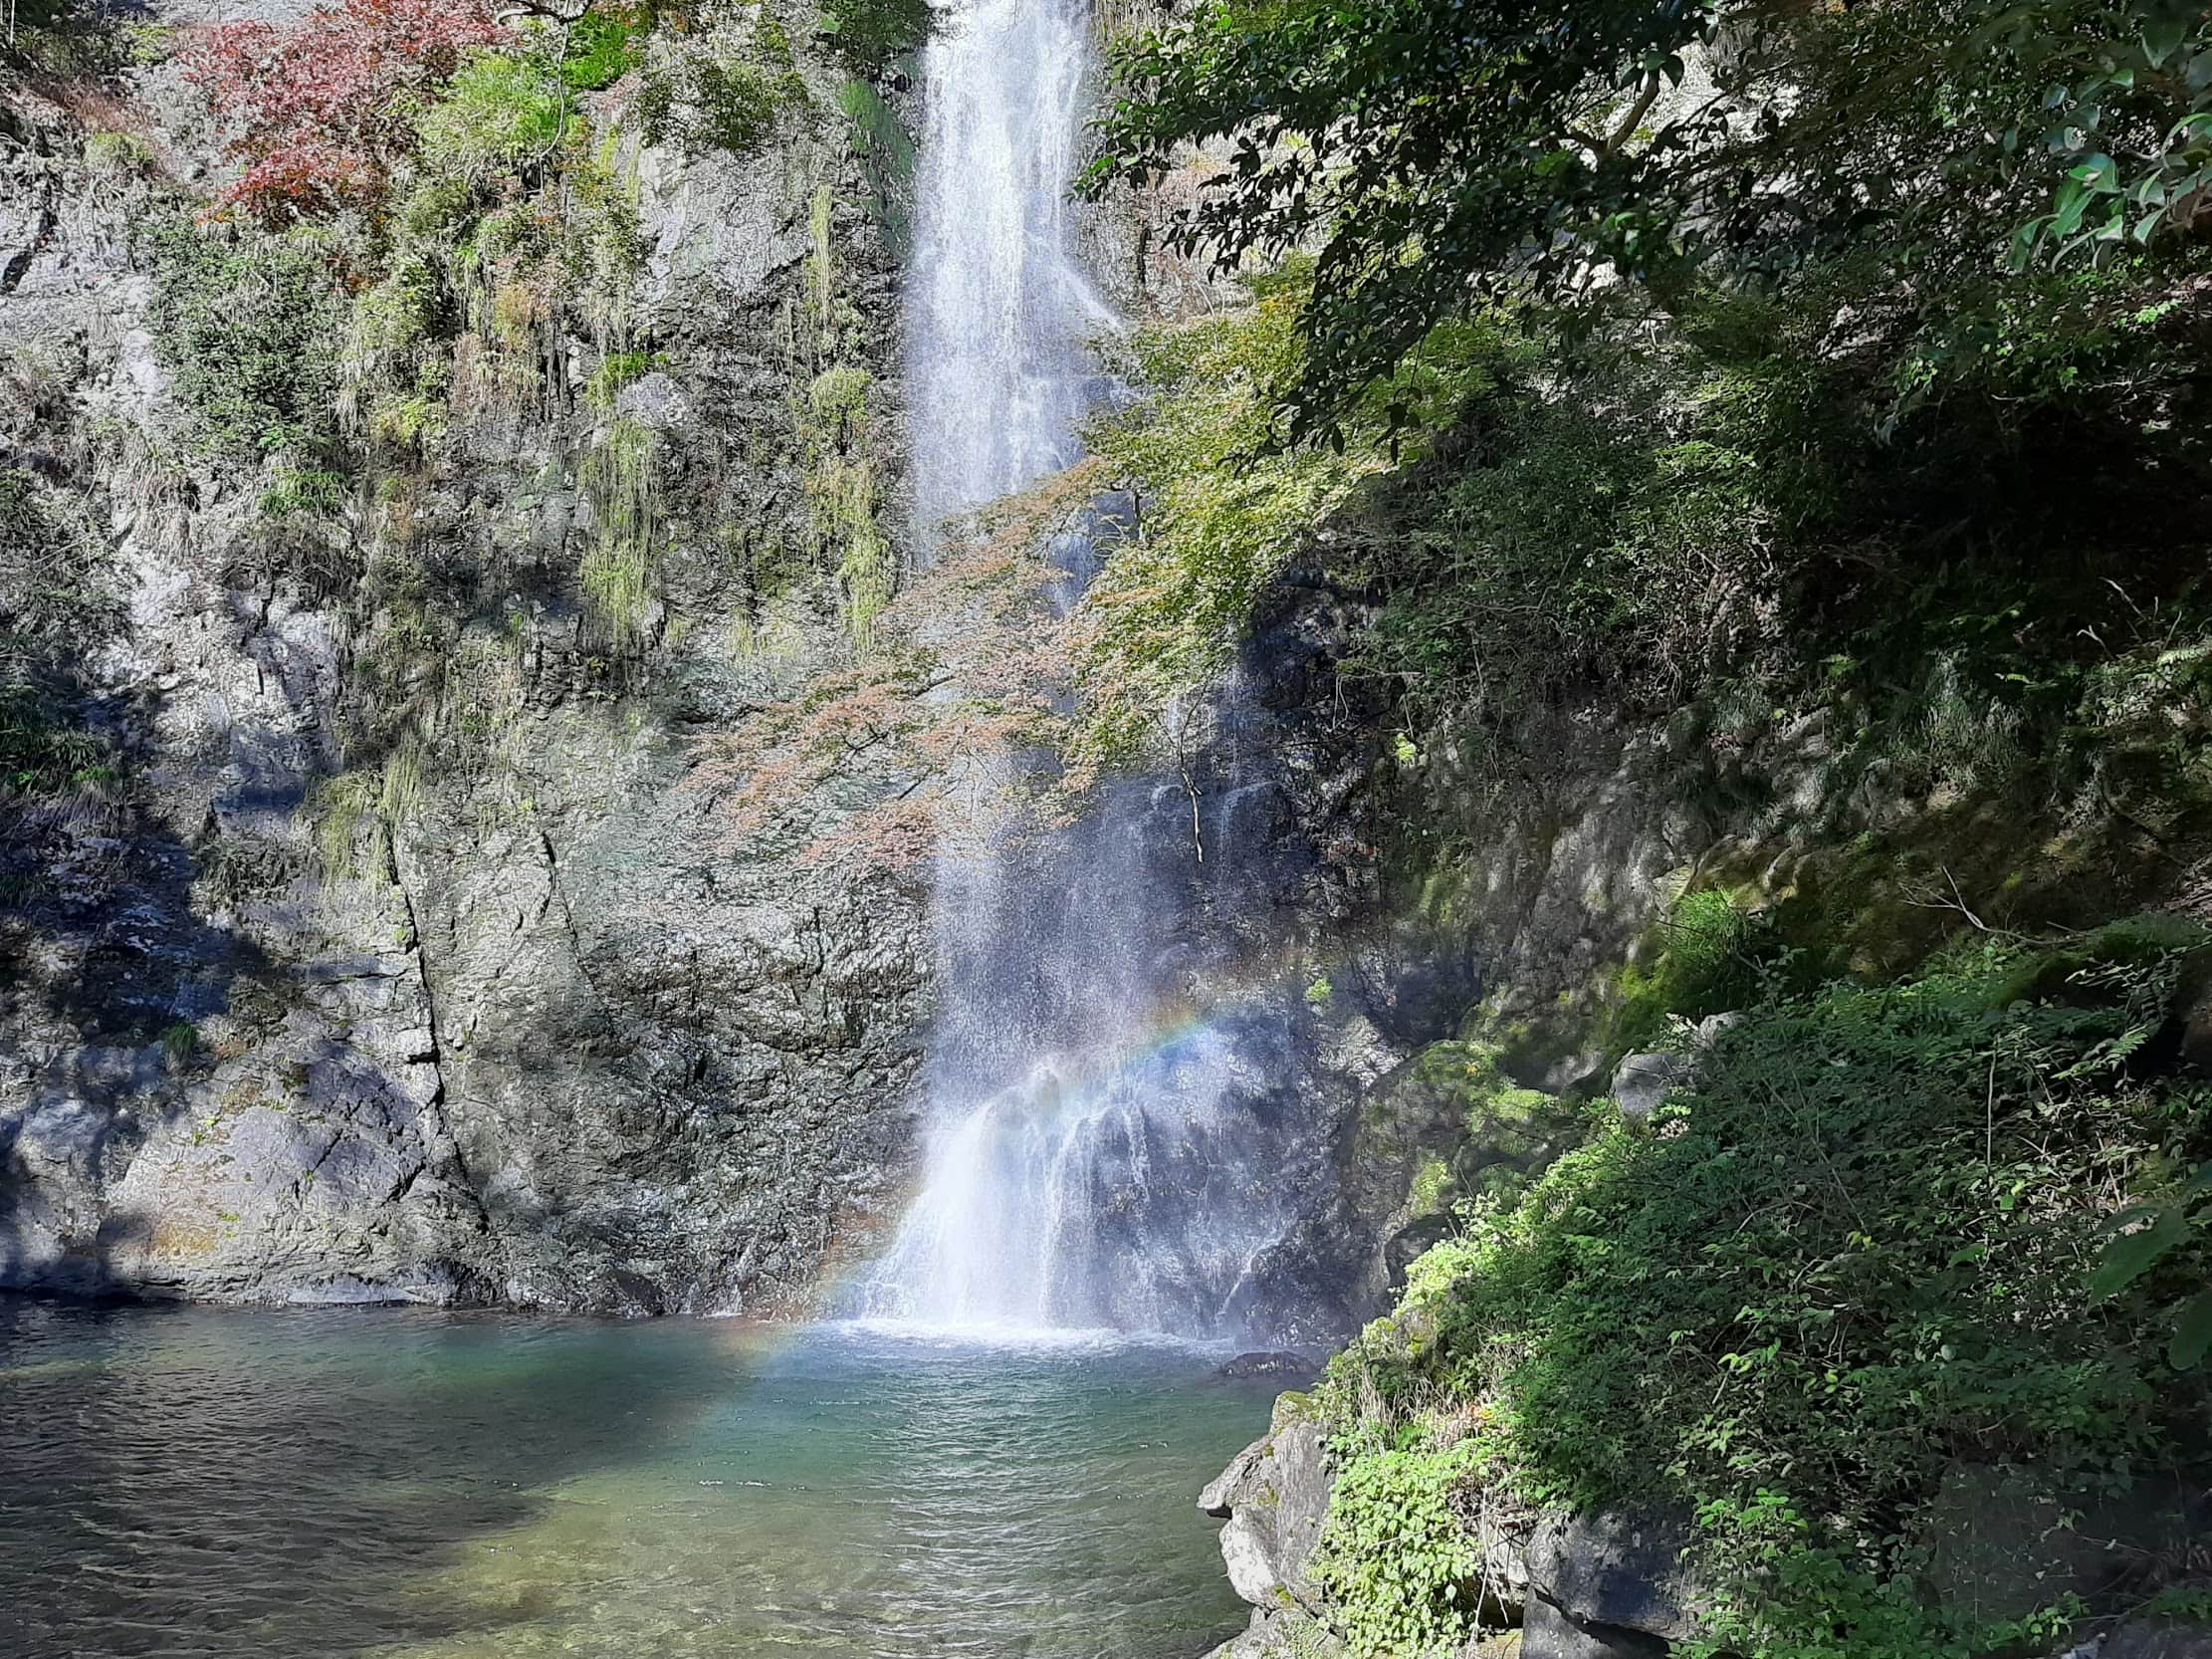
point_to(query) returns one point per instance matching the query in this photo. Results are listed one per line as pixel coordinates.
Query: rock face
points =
(1275, 1497)
(548, 1031)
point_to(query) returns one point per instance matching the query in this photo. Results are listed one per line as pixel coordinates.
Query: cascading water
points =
(1095, 1153)
(999, 308)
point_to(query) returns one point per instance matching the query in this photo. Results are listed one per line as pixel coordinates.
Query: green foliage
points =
(1640, 518)
(305, 492)
(1222, 509)
(886, 152)
(2152, 1231)
(1433, 144)
(620, 477)
(58, 604)
(702, 98)
(117, 155)
(501, 113)
(601, 48)
(1708, 962)
(836, 433)
(865, 35)
(2137, 86)
(1867, 1248)
(248, 326)
(617, 369)
(1396, 1559)
(46, 752)
(1882, 157)
(179, 1042)
(337, 809)
(354, 818)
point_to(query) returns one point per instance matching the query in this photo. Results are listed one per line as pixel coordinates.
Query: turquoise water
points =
(398, 1483)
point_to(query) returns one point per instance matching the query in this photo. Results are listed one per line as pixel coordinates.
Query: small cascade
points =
(1099, 1155)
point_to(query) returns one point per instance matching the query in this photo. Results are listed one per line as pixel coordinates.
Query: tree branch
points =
(1629, 122)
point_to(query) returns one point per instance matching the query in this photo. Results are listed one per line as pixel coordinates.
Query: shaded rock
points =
(2000, 1544)
(1548, 1632)
(1623, 1569)
(2159, 1639)
(1641, 1083)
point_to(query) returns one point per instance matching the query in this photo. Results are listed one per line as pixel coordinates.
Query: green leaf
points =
(2192, 1337)
(2163, 39)
(2072, 203)
(2131, 1255)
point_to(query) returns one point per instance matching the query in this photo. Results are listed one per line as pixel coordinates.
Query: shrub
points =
(1867, 1249)
(602, 47)
(45, 748)
(620, 477)
(320, 109)
(502, 112)
(703, 99)
(248, 325)
(117, 154)
(865, 35)
(1397, 1559)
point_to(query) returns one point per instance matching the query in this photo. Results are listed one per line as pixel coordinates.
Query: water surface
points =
(402, 1483)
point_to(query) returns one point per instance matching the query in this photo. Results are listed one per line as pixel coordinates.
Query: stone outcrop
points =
(554, 1034)
(1275, 1497)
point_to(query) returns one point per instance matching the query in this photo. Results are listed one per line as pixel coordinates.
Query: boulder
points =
(1641, 1083)
(1547, 1632)
(1619, 1570)
(1274, 1495)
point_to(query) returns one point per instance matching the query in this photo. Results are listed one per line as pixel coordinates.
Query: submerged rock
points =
(1293, 1366)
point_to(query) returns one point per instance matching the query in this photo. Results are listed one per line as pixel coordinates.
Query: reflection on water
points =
(389, 1483)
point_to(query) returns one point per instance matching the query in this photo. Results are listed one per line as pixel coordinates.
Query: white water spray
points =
(1094, 1156)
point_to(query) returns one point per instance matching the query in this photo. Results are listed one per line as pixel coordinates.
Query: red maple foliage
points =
(321, 108)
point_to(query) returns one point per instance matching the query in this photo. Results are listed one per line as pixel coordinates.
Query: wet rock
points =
(1274, 1495)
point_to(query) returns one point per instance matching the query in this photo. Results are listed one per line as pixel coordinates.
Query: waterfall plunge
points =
(1093, 1155)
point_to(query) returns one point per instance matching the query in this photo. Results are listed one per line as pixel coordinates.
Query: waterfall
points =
(997, 306)
(1095, 1155)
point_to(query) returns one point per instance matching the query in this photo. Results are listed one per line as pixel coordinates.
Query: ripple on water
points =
(386, 1482)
